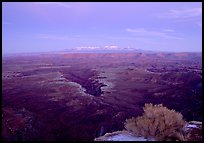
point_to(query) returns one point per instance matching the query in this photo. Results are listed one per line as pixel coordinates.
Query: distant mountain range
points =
(105, 49)
(110, 49)
(113, 49)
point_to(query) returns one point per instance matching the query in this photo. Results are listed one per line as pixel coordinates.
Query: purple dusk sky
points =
(56, 26)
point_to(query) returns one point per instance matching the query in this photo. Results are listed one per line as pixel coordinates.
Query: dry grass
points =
(158, 122)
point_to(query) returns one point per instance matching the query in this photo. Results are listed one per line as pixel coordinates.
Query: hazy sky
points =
(45, 26)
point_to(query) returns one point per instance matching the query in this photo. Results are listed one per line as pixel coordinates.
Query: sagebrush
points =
(158, 122)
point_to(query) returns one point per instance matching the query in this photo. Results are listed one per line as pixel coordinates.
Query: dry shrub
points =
(158, 122)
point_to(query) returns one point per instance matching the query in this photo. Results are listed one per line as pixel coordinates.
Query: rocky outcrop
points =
(192, 131)
(121, 136)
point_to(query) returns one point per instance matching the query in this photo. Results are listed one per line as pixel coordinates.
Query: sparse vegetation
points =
(158, 122)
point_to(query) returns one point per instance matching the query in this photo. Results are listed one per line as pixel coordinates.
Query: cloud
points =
(60, 4)
(142, 31)
(182, 13)
(192, 15)
(128, 38)
(147, 33)
(168, 30)
(55, 37)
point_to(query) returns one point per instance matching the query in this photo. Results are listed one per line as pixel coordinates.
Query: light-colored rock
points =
(122, 136)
